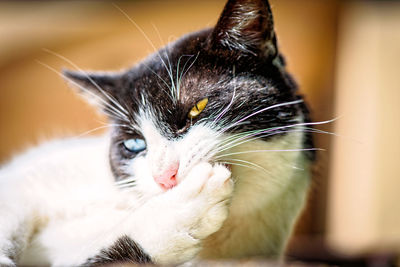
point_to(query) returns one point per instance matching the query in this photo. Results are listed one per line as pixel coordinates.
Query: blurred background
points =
(344, 54)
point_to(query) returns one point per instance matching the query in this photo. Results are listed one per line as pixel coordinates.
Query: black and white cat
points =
(207, 157)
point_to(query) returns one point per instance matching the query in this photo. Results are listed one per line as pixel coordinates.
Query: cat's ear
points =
(95, 82)
(95, 86)
(246, 26)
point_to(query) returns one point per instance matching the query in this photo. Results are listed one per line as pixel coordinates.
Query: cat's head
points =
(196, 99)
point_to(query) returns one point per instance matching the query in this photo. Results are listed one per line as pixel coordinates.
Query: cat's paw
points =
(210, 204)
(187, 214)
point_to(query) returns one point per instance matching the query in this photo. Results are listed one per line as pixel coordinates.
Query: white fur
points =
(61, 196)
(61, 202)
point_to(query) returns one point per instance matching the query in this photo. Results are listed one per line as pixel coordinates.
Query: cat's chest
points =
(261, 169)
(267, 194)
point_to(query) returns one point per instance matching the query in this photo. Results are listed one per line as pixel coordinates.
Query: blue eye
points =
(135, 145)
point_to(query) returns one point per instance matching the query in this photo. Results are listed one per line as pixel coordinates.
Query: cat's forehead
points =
(187, 70)
(168, 84)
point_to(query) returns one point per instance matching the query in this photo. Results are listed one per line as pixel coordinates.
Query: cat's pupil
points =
(135, 145)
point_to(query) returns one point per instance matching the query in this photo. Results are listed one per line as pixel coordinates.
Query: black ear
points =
(247, 27)
(99, 88)
(93, 82)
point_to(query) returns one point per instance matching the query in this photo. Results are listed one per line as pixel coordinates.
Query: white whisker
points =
(168, 69)
(263, 110)
(270, 150)
(237, 164)
(269, 132)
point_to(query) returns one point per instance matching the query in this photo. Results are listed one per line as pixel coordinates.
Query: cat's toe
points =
(220, 185)
(195, 181)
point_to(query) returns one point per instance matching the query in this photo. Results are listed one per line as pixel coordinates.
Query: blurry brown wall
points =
(364, 211)
(36, 104)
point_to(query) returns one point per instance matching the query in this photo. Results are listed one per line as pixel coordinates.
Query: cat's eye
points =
(198, 108)
(135, 145)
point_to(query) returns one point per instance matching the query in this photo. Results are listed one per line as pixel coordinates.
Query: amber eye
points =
(198, 108)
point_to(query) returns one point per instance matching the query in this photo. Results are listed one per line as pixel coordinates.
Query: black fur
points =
(124, 250)
(233, 50)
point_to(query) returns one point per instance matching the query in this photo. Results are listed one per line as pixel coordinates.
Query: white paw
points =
(188, 213)
(212, 201)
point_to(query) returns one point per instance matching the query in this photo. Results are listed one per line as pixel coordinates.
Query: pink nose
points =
(168, 179)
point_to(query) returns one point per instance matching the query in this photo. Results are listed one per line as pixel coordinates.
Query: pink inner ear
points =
(168, 179)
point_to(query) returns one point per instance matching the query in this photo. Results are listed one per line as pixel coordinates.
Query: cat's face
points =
(197, 100)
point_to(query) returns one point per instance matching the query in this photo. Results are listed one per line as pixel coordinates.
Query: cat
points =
(208, 157)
